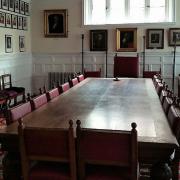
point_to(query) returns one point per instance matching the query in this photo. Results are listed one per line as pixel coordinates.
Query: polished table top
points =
(106, 104)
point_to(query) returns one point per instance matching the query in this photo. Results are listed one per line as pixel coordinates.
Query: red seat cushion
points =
(50, 171)
(65, 87)
(53, 93)
(39, 101)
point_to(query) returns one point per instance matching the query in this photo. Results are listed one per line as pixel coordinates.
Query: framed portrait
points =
(55, 23)
(26, 8)
(155, 39)
(16, 6)
(174, 37)
(11, 5)
(14, 21)
(24, 23)
(21, 7)
(8, 44)
(8, 20)
(126, 39)
(98, 40)
(5, 4)
(20, 19)
(21, 43)
(2, 19)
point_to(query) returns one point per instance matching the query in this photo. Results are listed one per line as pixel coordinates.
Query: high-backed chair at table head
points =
(107, 154)
(52, 150)
(38, 101)
(18, 112)
(92, 73)
(126, 66)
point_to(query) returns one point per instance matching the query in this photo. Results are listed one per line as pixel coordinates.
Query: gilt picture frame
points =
(126, 39)
(56, 23)
(174, 37)
(155, 39)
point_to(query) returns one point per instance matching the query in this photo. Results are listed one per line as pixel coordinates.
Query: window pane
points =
(98, 11)
(157, 7)
(116, 11)
(137, 10)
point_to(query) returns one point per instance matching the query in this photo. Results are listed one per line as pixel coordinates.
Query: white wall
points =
(64, 54)
(19, 64)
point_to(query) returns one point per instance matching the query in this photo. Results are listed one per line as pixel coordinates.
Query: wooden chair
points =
(168, 101)
(107, 154)
(38, 101)
(163, 93)
(80, 77)
(126, 66)
(50, 151)
(12, 91)
(18, 112)
(64, 87)
(73, 82)
(92, 73)
(159, 87)
(52, 94)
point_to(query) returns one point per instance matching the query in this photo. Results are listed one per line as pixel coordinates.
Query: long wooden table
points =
(105, 104)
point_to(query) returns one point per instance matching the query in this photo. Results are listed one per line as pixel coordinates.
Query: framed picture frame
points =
(2, 19)
(24, 23)
(26, 9)
(98, 40)
(21, 7)
(174, 37)
(8, 20)
(16, 6)
(21, 43)
(14, 21)
(56, 23)
(4, 4)
(126, 39)
(8, 44)
(20, 21)
(11, 5)
(155, 39)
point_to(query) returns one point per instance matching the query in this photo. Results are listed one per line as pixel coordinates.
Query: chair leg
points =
(15, 101)
(24, 97)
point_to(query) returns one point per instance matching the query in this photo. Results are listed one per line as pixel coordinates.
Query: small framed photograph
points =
(8, 44)
(155, 39)
(5, 4)
(20, 19)
(174, 36)
(21, 43)
(21, 7)
(14, 21)
(98, 40)
(126, 39)
(16, 6)
(11, 5)
(24, 23)
(26, 8)
(55, 23)
(8, 20)
(2, 19)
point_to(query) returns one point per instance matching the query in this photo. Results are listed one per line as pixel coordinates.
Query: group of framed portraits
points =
(9, 43)
(16, 6)
(13, 21)
(126, 39)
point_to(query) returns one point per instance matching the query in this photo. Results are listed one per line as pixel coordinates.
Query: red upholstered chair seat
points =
(64, 87)
(39, 101)
(159, 88)
(73, 82)
(50, 171)
(80, 77)
(163, 94)
(18, 112)
(52, 93)
(166, 104)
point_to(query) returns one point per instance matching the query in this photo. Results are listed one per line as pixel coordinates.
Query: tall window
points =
(128, 11)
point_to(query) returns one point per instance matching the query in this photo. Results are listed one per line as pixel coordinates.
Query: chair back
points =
(73, 82)
(168, 101)
(126, 67)
(108, 148)
(92, 73)
(150, 74)
(38, 101)
(18, 112)
(49, 145)
(52, 94)
(64, 87)
(80, 77)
